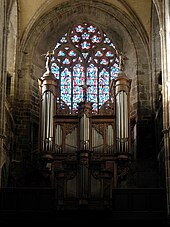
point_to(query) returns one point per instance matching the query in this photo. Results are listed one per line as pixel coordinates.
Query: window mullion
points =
(98, 94)
(72, 78)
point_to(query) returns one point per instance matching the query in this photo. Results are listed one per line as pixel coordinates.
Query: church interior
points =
(85, 111)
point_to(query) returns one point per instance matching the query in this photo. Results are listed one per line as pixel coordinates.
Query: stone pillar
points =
(3, 43)
(165, 45)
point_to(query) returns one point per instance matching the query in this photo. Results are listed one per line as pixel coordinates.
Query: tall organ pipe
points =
(48, 89)
(122, 94)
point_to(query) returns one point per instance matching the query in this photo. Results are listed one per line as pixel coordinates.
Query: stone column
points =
(3, 43)
(165, 56)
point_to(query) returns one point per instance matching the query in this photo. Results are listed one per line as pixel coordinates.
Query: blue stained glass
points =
(95, 107)
(91, 69)
(104, 62)
(75, 106)
(106, 40)
(85, 36)
(103, 86)
(104, 76)
(109, 54)
(85, 55)
(72, 53)
(113, 71)
(103, 90)
(66, 86)
(66, 97)
(111, 44)
(92, 97)
(103, 99)
(76, 90)
(61, 53)
(79, 28)
(65, 91)
(78, 80)
(102, 82)
(52, 59)
(98, 54)
(77, 97)
(93, 94)
(55, 70)
(75, 39)
(103, 66)
(91, 29)
(78, 74)
(66, 61)
(95, 39)
(92, 81)
(85, 45)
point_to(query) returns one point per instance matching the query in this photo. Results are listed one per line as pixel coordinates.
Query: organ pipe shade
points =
(84, 132)
(58, 139)
(47, 120)
(110, 139)
(97, 141)
(71, 141)
(122, 130)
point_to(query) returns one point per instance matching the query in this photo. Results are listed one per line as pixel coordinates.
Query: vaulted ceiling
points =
(136, 10)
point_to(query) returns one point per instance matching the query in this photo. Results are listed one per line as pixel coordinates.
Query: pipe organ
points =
(48, 90)
(89, 152)
(122, 91)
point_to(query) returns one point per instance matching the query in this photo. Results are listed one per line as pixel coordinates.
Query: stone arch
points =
(129, 39)
(125, 32)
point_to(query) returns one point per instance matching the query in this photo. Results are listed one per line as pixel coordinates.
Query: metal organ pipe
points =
(122, 89)
(122, 121)
(110, 140)
(84, 132)
(47, 120)
(48, 85)
(58, 138)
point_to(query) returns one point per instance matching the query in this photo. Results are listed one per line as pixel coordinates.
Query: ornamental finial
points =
(122, 59)
(48, 57)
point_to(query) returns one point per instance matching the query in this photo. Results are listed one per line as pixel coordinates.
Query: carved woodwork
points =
(91, 152)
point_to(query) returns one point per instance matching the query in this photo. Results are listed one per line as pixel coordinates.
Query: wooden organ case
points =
(85, 154)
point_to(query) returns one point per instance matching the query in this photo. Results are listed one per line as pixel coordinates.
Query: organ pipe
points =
(85, 111)
(84, 114)
(84, 132)
(48, 92)
(58, 139)
(122, 97)
(47, 120)
(122, 122)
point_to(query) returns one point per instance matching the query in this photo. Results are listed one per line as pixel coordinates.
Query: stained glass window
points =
(84, 56)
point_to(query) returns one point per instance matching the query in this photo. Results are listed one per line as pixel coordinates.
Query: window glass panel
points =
(85, 61)
(66, 86)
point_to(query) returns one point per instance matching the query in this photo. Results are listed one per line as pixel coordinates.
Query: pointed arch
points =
(85, 61)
